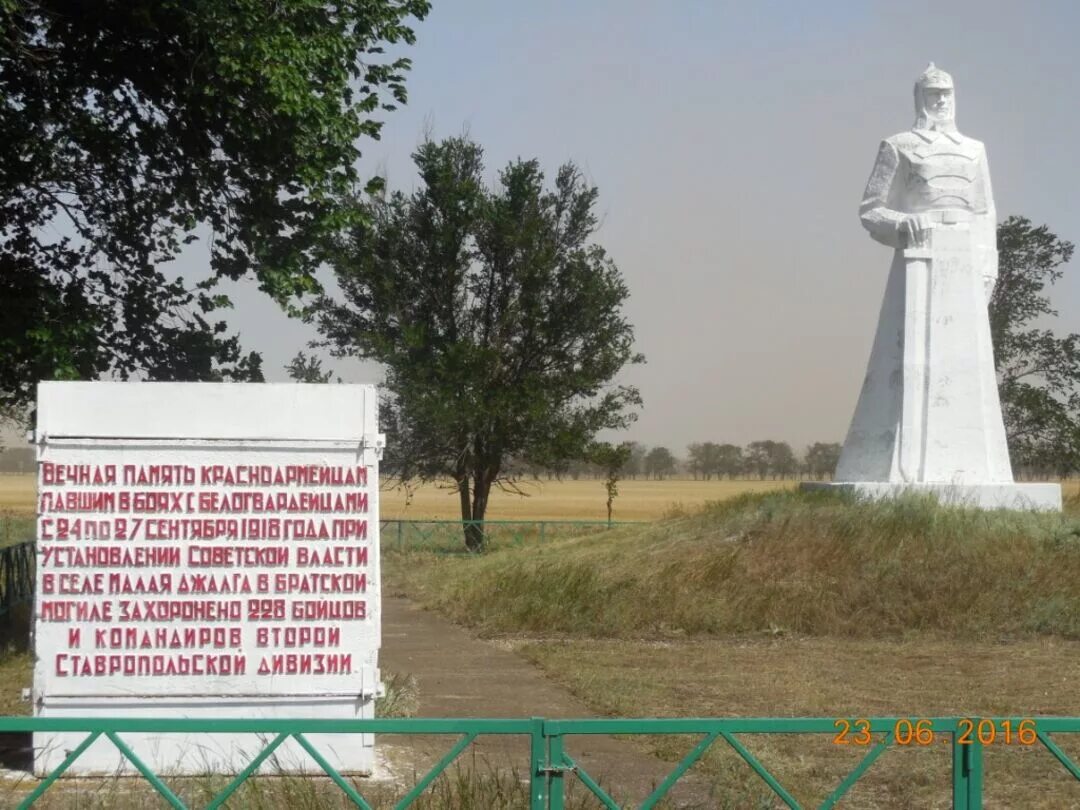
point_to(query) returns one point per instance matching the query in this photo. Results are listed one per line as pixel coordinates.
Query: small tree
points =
(612, 460)
(497, 318)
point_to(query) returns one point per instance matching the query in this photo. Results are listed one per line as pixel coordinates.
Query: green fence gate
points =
(551, 767)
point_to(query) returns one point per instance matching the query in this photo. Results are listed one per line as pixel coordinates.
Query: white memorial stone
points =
(928, 417)
(207, 551)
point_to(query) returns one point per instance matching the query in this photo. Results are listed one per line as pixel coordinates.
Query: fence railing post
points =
(967, 772)
(975, 771)
(538, 766)
(556, 783)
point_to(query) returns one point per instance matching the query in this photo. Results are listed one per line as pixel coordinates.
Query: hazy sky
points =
(731, 143)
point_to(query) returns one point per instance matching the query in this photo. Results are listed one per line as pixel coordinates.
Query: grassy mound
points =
(788, 562)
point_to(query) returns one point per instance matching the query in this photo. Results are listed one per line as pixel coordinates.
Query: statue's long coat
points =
(929, 408)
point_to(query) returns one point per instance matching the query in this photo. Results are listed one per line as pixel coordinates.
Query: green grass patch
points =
(447, 536)
(401, 696)
(470, 785)
(16, 672)
(814, 564)
(16, 527)
(461, 788)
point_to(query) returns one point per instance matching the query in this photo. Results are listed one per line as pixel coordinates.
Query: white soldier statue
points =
(929, 416)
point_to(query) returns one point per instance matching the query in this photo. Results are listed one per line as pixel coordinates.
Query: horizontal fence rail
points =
(551, 765)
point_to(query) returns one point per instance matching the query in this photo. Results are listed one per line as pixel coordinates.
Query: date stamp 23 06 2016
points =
(921, 731)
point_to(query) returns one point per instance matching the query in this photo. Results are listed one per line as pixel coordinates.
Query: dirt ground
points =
(462, 676)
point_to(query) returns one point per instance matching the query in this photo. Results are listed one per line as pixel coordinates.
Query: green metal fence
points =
(551, 766)
(17, 566)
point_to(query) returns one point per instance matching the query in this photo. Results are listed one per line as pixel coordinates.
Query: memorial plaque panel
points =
(207, 550)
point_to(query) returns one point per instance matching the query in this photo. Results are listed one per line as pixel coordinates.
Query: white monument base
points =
(1038, 496)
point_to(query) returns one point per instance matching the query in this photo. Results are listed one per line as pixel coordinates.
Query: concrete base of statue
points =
(1035, 496)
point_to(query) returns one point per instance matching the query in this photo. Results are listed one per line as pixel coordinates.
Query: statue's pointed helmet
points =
(934, 77)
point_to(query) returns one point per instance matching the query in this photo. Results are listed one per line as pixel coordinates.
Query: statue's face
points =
(938, 102)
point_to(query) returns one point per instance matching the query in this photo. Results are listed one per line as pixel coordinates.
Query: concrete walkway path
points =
(460, 675)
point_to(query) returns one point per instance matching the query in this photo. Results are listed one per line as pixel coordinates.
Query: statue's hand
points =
(914, 229)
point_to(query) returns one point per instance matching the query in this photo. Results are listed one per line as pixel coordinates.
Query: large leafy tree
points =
(1038, 370)
(496, 316)
(127, 125)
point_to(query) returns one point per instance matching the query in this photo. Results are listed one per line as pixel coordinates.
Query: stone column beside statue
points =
(928, 416)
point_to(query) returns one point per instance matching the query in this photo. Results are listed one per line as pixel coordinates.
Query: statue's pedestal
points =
(1038, 496)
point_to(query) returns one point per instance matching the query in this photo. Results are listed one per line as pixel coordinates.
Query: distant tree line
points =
(765, 459)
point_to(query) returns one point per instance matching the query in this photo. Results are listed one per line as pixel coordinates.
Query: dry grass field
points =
(539, 500)
(16, 492)
(583, 499)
